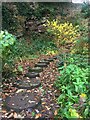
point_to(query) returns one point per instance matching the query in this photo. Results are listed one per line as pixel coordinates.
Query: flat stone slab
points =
(26, 83)
(32, 74)
(36, 69)
(50, 59)
(55, 57)
(21, 101)
(41, 65)
(43, 61)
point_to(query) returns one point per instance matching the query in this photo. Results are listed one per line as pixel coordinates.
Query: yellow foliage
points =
(51, 52)
(63, 32)
(83, 95)
(74, 113)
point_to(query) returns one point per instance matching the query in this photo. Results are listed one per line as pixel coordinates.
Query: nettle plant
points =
(7, 40)
(74, 100)
(63, 32)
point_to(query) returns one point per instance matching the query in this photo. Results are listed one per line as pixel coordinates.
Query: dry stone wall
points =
(63, 9)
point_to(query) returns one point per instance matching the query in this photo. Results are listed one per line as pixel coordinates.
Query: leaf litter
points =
(48, 107)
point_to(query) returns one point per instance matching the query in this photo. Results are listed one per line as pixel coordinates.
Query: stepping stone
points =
(31, 75)
(21, 101)
(50, 59)
(43, 61)
(27, 83)
(55, 57)
(36, 69)
(41, 65)
(60, 64)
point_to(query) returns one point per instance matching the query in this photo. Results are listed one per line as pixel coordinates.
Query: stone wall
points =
(64, 9)
(61, 8)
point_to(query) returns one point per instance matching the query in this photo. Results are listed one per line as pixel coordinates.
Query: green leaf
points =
(33, 114)
(86, 111)
(20, 68)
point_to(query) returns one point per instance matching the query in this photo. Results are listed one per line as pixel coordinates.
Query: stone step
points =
(27, 83)
(43, 61)
(31, 75)
(21, 101)
(55, 57)
(36, 69)
(50, 59)
(41, 65)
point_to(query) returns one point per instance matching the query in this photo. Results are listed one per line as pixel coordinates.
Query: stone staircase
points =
(22, 99)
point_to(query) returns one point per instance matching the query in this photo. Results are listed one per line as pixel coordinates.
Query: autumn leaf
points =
(38, 115)
(4, 111)
(55, 113)
(43, 111)
(47, 108)
(15, 115)
(43, 103)
(11, 115)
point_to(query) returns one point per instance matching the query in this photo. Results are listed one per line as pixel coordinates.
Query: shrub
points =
(63, 32)
(74, 99)
(9, 21)
(85, 10)
(81, 44)
(7, 40)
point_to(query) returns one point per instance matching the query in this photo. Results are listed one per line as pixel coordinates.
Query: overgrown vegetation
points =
(73, 82)
(74, 100)
(7, 41)
(17, 49)
(85, 10)
(63, 32)
(14, 15)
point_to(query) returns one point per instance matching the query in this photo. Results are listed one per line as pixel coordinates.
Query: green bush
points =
(77, 59)
(7, 41)
(73, 83)
(85, 10)
(9, 21)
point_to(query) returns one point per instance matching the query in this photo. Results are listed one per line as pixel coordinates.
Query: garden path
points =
(47, 92)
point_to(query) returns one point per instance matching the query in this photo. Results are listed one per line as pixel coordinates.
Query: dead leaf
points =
(20, 90)
(38, 115)
(15, 115)
(11, 115)
(4, 111)
(43, 103)
(7, 114)
(47, 107)
(55, 113)
(43, 110)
